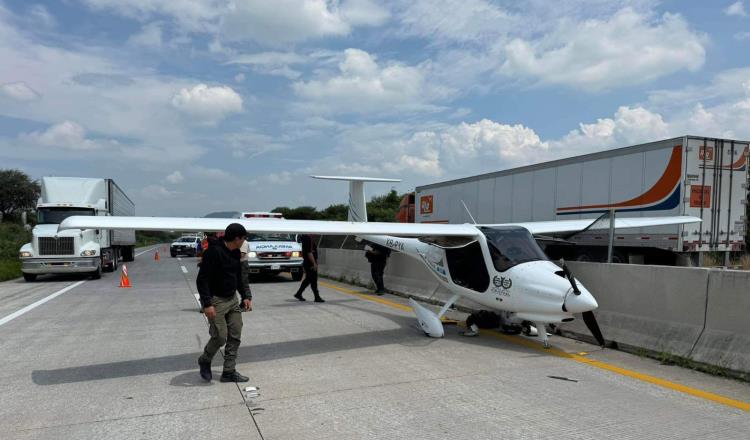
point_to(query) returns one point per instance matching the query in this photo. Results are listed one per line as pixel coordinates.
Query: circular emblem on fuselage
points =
(497, 281)
(506, 282)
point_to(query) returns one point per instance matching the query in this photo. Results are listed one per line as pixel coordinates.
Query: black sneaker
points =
(299, 297)
(319, 299)
(205, 370)
(233, 377)
(380, 292)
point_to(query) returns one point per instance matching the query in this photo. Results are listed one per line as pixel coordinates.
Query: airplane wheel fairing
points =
(428, 321)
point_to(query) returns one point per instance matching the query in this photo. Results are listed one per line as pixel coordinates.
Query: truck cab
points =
(77, 251)
(273, 253)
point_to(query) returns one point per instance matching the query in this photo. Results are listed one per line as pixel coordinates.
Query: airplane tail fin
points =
(357, 200)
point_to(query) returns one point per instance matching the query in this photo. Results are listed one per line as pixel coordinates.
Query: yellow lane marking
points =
(575, 357)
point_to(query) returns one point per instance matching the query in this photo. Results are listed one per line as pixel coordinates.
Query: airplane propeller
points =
(588, 317)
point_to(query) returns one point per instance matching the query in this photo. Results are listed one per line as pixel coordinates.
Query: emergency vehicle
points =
(273, 253)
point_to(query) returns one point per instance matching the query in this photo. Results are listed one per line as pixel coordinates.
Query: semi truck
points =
(77, 251)
(687, 175)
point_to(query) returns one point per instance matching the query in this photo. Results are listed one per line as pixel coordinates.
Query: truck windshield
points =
(511, 245)
(270, 237)
(55, 216)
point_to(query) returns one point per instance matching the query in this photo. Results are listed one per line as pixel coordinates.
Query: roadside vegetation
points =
(148, 238)
(18, 195)
(379, 209)
(12, 237)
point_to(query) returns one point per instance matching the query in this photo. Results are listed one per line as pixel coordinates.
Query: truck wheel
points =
(95, 275)
(173, 254)
(29, 277)
(115, 260)
(296, 276)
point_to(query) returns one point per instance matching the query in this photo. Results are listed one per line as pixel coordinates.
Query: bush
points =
(12, 237)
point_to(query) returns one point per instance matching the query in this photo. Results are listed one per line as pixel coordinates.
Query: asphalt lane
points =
(104, 362)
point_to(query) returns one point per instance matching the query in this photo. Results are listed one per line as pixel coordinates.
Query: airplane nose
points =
(580, 303)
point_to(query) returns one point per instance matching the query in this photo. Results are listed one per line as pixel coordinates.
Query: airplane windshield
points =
(510, 246)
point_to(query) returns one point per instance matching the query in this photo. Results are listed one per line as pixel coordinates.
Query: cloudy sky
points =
(204, 105)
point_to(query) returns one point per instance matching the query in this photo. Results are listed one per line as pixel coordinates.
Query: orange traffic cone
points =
(156, 256)
(124, 280)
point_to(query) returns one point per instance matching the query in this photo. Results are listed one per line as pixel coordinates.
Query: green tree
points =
(379, 209)
(17, 192)
(335, 212)
(384, 208)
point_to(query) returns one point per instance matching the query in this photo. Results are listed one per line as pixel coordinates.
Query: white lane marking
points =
(147, 250)
(179, 258)
(197, 298)
(15, 315)
(184, 269)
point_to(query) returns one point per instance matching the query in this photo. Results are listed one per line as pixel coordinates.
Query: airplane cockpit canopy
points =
(511, 245)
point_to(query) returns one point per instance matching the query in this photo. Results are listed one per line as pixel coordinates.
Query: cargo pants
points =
(226, 328)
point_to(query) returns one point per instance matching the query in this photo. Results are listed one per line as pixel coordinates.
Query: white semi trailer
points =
(77, 251)
(688, 175)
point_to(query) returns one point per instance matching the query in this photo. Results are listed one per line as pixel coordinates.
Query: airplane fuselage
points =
(534, 290)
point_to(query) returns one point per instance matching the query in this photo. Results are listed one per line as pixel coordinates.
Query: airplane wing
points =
(317, 227)
(562, 226)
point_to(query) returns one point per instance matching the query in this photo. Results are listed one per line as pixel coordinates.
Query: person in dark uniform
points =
(377, 255)
(219, 280)
(310, 266)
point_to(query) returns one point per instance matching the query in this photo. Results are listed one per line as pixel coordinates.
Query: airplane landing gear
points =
(541, 330)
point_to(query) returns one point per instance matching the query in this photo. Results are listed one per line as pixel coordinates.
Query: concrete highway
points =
(97, 361)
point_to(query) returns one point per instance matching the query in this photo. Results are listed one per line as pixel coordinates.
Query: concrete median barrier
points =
(657, 308)
(725, 342)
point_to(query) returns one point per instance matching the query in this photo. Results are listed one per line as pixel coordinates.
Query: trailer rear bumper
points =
(40, 266)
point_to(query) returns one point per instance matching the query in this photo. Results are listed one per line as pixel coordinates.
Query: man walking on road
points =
(219, 279)
(310, 266)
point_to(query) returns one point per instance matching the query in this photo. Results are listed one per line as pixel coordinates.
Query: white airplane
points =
(500, 266)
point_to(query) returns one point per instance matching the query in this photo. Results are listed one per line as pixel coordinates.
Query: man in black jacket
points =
(377, 255)
(219, 278)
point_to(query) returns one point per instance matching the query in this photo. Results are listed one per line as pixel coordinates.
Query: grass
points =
(12, 237)
(716, 259)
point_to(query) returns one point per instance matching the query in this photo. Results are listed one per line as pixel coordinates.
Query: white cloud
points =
(175, 178)
(261, 20)
(209, 173)
(629, 126)
(239, 78)
(41, 16)
(157, 192)
(282, 178)
(736, 9)
(149, 36)
(596, 54)
(438, 150)
(190, 15)
(364, 13)
(208, 104)
(269, 22)
(469, 21)
(19, 91)
(67, 135)
(742, 36)
(272, 63)
(361, 85)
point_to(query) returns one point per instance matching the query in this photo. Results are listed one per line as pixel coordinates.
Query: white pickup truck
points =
(273, 253)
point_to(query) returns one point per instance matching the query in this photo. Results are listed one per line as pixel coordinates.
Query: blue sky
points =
(204, 105)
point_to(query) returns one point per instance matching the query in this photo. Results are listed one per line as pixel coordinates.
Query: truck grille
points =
(56, 246)
(274, 255)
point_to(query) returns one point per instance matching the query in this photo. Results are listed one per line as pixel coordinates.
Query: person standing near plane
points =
(310, 266)
(219, 280)
(377, 255)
